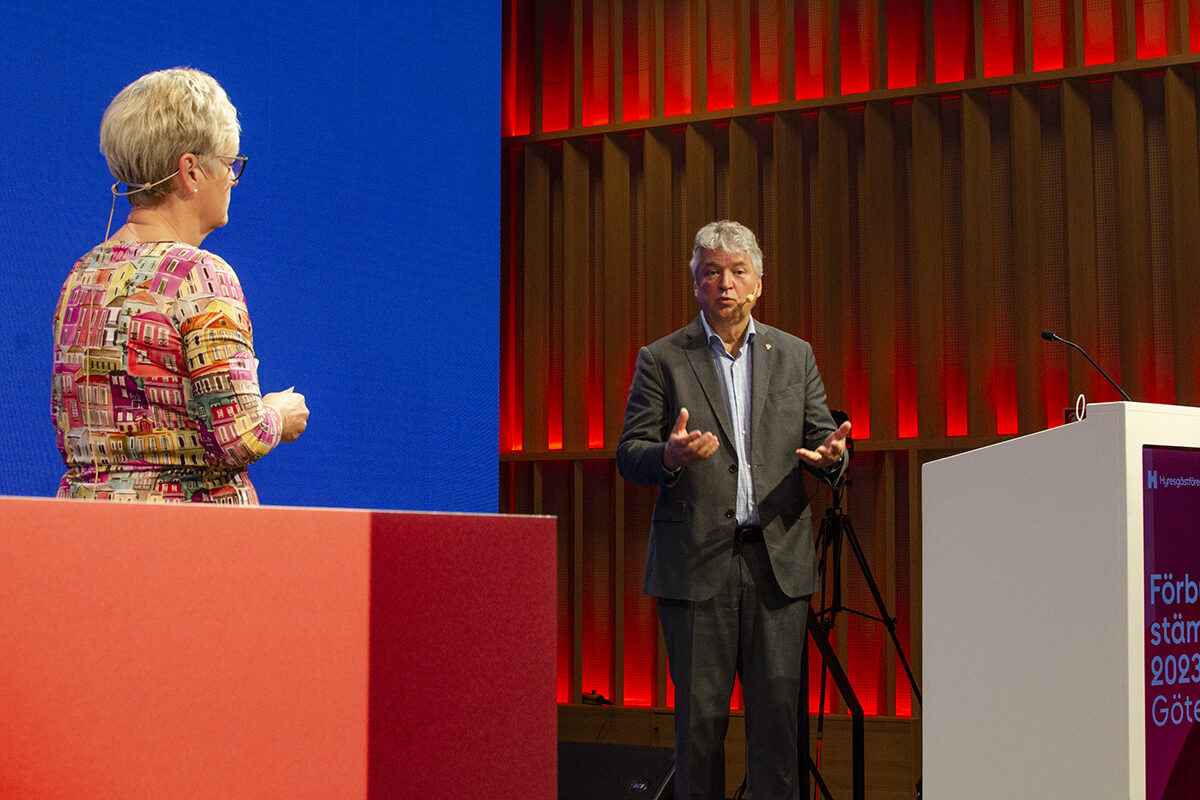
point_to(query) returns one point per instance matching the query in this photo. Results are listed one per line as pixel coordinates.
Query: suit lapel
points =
(763, 360)
(699, 355)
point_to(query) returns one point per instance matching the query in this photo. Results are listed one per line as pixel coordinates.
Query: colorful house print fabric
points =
(155, 386)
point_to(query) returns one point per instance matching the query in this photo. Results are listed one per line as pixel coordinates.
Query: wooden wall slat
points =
(578, 588)
(1183, 175)
(831, 311)
(576, 113)
(929, 292)
(1022, 15)
(879, 266)
(700, 203)
(743, 186)
(1124, 27)
(657, 293)
(975, 46)
(1083, 299)
(877, 68)
(658, 74)
(1027, 242)
(699, 36)
(786, 276)
(885, 575)
(596, 517)
(616, 60)
(1073, 33)
(1178, 27)
(1133, 236)
(978, 288)
(617, 503)
(617, 276)
(926, 42)
(536, 356)
(577, 272)
(831, 36)
(786, 15)
(743, 65)
(539, 52)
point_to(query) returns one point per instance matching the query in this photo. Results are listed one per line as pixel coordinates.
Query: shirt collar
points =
(713, 338)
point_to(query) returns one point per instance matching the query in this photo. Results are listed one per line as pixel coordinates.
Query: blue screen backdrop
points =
(365, 232)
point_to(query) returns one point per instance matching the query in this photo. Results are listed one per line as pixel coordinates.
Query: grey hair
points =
(159, 117)
(732, 237)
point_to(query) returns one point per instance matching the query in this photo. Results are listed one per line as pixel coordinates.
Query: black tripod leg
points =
(888, 620)
(857, 729)
(804, 749)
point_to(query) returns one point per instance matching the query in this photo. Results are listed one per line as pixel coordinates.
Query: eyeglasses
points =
(237, 164)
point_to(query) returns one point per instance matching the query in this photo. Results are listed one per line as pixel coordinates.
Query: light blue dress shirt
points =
(734, 374)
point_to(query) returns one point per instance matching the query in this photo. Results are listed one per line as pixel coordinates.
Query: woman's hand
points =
(292, 409)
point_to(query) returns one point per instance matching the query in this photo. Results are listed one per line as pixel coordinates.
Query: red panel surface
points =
(184, 651)
(462, 657)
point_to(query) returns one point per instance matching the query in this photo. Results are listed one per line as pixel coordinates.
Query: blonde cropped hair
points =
(159, 117)
(732, 237)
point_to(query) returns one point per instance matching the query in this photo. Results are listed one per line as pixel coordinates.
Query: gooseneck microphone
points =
(1051, 336)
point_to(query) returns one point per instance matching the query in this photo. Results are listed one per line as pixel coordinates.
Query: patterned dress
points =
(155, 386)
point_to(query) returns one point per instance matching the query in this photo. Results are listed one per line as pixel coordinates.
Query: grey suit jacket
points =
(691, 533)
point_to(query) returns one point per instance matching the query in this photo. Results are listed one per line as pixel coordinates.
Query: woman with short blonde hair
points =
(155, 390)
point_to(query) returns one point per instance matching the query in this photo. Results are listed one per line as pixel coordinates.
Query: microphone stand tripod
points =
(837, 530)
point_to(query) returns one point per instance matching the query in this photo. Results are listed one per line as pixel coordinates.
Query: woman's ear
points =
(189, 173)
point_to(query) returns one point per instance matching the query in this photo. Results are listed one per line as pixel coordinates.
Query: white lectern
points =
(1040, 624)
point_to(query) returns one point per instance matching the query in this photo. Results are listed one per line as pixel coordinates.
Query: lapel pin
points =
(768, 347)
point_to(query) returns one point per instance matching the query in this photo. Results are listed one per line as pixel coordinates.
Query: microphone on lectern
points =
(1051, 336)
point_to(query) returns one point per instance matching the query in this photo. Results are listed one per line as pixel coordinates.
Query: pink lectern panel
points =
(177, 651)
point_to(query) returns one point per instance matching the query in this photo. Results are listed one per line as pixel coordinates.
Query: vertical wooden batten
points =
(616, 60)
(927, 239)
(1083, 300)
(657, 163)
(1133, 236)
(576, 545)
(974, 67)
(786, 14)
(1124, 27)
(978, 281)
(833, 247)
(536, 366)
(576, 180)
(787, 275)
(1178, 28)
(743, 66)
(618, 283)
(743, 186)
(1027, 239)
(1179, 86)
(1074, 32)
(1022, 11)
(699, 37)
(700, 205)
(878, 266)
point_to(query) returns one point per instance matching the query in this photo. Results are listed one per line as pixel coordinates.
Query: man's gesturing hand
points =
(687, 447)
(830, 451)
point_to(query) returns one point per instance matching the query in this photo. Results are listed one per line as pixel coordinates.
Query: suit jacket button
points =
(732, 469)
(730, 514)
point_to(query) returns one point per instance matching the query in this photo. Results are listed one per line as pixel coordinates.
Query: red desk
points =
(176, 652)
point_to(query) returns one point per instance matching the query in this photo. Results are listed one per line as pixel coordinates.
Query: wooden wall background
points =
(1008, 167)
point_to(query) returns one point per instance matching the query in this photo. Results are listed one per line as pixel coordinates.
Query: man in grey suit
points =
(723, 415)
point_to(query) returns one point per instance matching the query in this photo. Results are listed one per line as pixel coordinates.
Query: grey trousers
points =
(751, 629)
